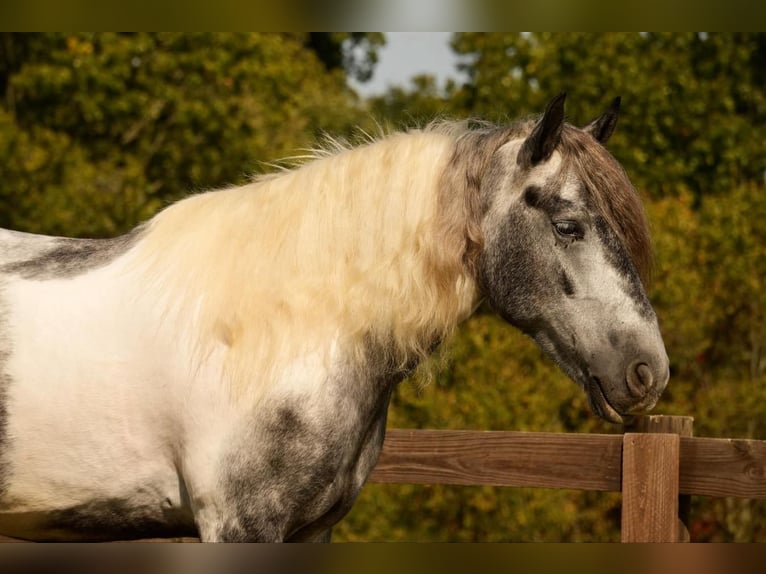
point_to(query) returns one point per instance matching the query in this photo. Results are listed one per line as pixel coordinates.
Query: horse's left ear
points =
(603, 126)
(546, 135)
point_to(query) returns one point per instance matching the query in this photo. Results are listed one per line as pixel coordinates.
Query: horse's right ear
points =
(546, 135)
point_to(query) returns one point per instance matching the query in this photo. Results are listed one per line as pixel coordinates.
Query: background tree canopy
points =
(99, 131)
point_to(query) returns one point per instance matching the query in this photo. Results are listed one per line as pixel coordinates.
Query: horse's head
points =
(565, 248)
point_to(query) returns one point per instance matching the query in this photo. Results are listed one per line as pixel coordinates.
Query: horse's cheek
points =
(512, 273)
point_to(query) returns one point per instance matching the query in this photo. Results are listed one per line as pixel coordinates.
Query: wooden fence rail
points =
(708, 466)
(656, 465)
(655, 468)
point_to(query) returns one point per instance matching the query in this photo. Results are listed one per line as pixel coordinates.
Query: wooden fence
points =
(657, 465)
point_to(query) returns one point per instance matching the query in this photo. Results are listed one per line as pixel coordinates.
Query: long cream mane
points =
(362, 246)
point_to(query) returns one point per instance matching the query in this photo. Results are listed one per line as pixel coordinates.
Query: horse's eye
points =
(568, 229)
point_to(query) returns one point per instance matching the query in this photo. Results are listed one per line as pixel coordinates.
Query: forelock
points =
(612, 194)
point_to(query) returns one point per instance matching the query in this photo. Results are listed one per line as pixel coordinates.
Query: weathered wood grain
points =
(723, 467)
(579, 461)
(708, 466)
(650, 464)
(682, 426)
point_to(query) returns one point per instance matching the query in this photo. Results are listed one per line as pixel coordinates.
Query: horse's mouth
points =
(600, 405)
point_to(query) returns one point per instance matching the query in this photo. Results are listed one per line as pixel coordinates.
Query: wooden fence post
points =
(652, 510)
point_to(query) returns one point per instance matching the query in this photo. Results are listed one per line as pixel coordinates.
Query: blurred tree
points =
(415, 106)
(356, 53)
(154, 116)
(694, 104)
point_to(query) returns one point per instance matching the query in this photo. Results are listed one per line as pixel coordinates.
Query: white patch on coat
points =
(504, 200)
(92, 384)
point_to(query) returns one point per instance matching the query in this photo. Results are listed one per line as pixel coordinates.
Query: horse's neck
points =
(350, 245)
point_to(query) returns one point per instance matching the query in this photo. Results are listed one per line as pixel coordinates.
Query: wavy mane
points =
(613, 195)
(362, 246)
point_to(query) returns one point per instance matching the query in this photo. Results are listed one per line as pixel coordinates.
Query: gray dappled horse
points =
(226, 367)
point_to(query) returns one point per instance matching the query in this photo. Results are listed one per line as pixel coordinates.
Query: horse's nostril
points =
(639, 379)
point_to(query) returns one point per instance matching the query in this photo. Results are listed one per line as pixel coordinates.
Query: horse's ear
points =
(546, 135)
(603, 126)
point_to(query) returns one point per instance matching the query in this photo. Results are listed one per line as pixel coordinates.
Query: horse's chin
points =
(601, 406)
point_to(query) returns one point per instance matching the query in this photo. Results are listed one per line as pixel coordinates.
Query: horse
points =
(225, 368)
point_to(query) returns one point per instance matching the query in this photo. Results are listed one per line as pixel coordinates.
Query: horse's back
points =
(18, 246)
(43, 257)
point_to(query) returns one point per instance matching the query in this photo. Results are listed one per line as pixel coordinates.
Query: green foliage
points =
(98, 131)
(147, 118)
(354, 52)
(415, 107)
(709, 295)
(708, 288)
(693, 104)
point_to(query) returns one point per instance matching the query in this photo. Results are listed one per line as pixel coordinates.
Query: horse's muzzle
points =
(642, 384)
